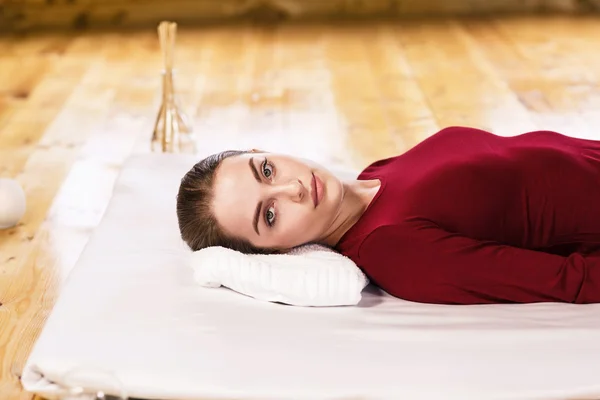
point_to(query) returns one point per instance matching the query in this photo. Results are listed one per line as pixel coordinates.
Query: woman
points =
(464, 217)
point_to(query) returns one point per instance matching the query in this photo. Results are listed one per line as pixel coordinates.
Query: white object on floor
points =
(310, 275)
(12, 203)
(131, 307)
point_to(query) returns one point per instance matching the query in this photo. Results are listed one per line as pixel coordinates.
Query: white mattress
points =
(130, 306)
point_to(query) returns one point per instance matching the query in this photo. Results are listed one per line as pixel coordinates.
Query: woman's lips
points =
(317, 190)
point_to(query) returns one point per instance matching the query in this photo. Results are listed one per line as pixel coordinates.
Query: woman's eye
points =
(270, 216)
(267, 169)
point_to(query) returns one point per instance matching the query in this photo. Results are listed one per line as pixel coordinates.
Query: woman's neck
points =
(356, 199)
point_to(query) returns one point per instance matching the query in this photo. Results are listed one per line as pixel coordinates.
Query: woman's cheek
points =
(294, 219)
(297, 223)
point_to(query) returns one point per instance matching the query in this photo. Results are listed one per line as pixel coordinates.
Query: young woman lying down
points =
(464, 217)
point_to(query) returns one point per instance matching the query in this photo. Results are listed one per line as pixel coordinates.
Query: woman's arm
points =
(425, 263)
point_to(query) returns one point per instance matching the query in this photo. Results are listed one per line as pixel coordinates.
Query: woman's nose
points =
(292, 189)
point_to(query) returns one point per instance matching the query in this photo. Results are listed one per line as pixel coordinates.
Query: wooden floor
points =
(73, 108)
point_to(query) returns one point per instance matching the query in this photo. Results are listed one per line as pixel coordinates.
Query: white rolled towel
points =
(310, 275)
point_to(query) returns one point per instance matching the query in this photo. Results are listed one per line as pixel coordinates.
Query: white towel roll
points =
(310, 275)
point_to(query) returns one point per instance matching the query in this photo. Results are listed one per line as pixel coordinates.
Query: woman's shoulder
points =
(451, 136)
(372, 169)
(374, 238)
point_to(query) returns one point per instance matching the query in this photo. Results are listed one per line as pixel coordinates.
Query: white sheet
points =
(132, 307)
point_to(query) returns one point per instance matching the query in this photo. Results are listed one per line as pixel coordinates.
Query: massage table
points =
(131, 308)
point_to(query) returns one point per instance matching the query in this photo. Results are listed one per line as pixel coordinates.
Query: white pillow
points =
(310, 275)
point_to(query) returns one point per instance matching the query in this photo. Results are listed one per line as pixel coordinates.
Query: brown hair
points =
(197, 223)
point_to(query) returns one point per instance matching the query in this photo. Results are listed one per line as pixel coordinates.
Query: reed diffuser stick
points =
(172, 132)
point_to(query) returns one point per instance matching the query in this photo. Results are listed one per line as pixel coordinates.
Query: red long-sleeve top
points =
(469, 217)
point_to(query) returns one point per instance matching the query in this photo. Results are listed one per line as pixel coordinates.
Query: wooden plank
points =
(23, 45)
(410, 118)
(8, 107)
(460, 84)
(23, 122)
(356, 92)
(555, 77)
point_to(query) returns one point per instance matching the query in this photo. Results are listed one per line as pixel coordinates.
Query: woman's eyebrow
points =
(256, 214)
(253, 169)
(259, 205)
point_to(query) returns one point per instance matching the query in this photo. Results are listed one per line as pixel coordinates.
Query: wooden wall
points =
(22, 15)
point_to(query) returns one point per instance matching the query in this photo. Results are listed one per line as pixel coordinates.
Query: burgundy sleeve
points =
(424, 263)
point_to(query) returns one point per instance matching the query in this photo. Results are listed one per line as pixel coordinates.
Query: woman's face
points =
(275, 201)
